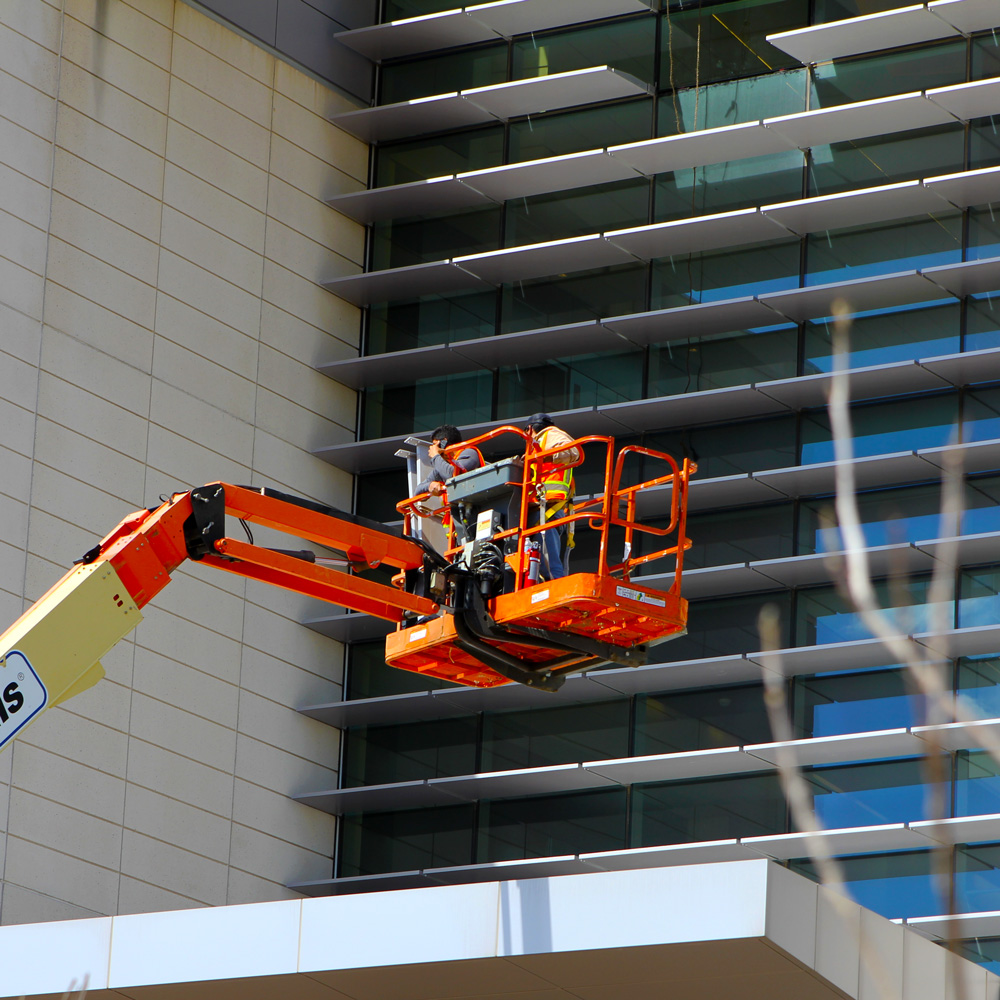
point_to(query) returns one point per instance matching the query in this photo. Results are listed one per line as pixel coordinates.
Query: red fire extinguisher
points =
(532, 549)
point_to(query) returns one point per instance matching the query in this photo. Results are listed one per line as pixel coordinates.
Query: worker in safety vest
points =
(554, 489)
(441, 468)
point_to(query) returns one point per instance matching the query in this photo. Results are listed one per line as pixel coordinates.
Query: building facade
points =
(218, 263)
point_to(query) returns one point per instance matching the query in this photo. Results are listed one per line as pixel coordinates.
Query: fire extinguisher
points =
(532, 549)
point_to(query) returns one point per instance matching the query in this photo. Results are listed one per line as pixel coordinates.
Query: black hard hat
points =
(537, 422)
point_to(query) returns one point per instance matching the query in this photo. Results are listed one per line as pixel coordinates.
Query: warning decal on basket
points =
(638, 595)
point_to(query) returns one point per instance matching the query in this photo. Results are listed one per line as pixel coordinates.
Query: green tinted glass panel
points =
(579, 296)
(984, 143)
(419, 406)
(854, 703)
(627, 46)
(379, 492)
(884, 428)
(544, 827)
(708, 277)
(977, 890)
(984, 235)
(893, 885)
(443, 74)
(747, 446)
(981, 415)
(564, 214)
(725, 537)
(840, 10)
(979, 597)
(396, 10)
(904, 156)
(986, 56)
(732, 102)
(432, 320)
(982, 324)
(724, 187)
(555, 736)
(420, 159)
(564, 385)
(690, 812)
(405, 841)
(700, 720)
(400, 244)
(381, 755)
(865, 77)
(727, 40)
(889, 335)
(369, 676)
(864, 251)
(868, 794)
(979, 684)
(563, 132)
(823, 616)
(985, 951)
(722, 360)
(977, 783)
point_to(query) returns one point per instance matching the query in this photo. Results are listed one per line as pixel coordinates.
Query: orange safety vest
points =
(554, 477)
(446, 515)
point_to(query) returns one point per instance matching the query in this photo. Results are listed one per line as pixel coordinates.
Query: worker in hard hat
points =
(554, 489)
(442, 468)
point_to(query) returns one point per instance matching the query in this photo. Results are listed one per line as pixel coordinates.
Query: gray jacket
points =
(466, 460)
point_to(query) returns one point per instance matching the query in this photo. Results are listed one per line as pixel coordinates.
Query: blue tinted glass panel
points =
(977, 784)
(984, 234)
(977, 885)
(854, 703)
(982, 324)
(869, 794)
(981, 415)
(979, 597)
(979, 685)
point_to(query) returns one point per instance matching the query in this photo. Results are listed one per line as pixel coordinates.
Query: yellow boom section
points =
(53, 650)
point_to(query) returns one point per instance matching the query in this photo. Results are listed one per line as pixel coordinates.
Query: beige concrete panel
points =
(307, 258)
(308, 301)
(92, 324)
(214, 76)
(104, 239)
(107, 703)
(207, 602)
(22, 242)
(205, 336)
(290, 731)
(101, 283)
(117, 65)
(37, 21)
(188, 642)
(178, 463)
(278, 636)
(18, 426)
(136, 896)
(212, 295)
(214, 120)
(308, 173)
(102, 420)
(217, 166)
(55, 543)
(267, 765)
(17, 379)
(185, 370)
(284, 682)
(311, 94)
(214, 207)
(80, 457)
(160, 10)
(294, 607)
(266, 856)
(173, 869)
(305, 342)
(88, 368)
(30, 62)
(176, 777)
(25, 106)
(303, 214)
(21, 289)
(11, 606)
(320, 137)
(182, 732)
(25, 906)
(76, 501)
(231, 583)
(24, 197)
(278, 816)
(24, 151)
(117, 109)
(112, 198)
(13, 522)
(22, 335)
(16, 474)
(246, 888)
(112, 152)
(85, 741)
(178, 823)
(211, 250)
(301, 473)
(128, 26)
(200, 421)
(195, 691)
(224, 43)
(299, 427)
(56, 826)
(11, 562)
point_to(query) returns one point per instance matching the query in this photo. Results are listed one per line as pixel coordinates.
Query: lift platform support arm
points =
(53, 651)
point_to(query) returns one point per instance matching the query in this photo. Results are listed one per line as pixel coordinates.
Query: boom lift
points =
(477, 614)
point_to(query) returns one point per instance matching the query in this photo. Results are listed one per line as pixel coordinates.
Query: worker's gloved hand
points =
(435, 489)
